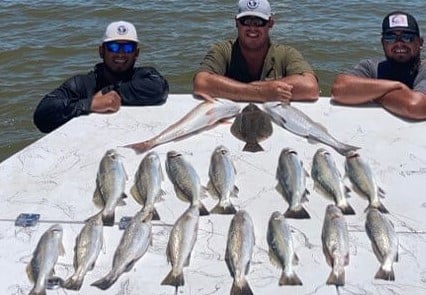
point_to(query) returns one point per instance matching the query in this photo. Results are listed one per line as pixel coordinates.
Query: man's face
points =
(119, 56)
(253, 32)
(401, 46)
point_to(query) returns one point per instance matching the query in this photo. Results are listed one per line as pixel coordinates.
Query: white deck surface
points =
(55, 177)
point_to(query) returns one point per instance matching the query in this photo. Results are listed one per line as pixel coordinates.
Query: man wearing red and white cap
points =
(398, 83)
(114, 82)
(252, 68)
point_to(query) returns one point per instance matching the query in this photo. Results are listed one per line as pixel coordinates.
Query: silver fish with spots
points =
(110, 184)
(222, 174)
(186, 181)
(297, 122)
(45, 256)
(147, 186)
(88, 245)
(281, 249)
(384, 242)
(335, 244)
(363, 181)
(328, 180)
(239, 249)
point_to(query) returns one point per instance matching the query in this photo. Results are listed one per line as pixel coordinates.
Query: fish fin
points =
(30, 272)
(241, 289)
(297, 213)
(336, 278)
(228, 262)
(274, 259)
(174, 280)
(347, 190)
(347, 210)
(385, 275)
(97, 198)
(137, 196)
(226, 209)
(291, 280)
(203, 210)
(305, 195)
(141, 147)
(212, 190)
(252, 147)
(381, 192)
(73, 283)
(295, 259)
(204, 192)
(160, 195)
(181, 196)
(235, 191)
(105, 282)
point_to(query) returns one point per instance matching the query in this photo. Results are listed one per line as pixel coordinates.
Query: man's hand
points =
(106, 103)
(275, 90)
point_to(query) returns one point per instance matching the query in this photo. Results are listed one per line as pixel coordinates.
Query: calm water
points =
(45, 42)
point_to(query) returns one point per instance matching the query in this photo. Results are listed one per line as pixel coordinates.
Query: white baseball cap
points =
(120, 30)
(259, 8)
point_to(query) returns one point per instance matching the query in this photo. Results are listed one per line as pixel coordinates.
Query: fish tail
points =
(34, 291)
(155, 215)
(224, 209)
(241, 288)
(346, 149)
(298, 213)
(379, 207)
(290, 280)
(172, 279)
(73, 283)
(336, 277)
(105, 282)
(141, 147)
(386, 275)
(252, 147)
(108, 219)
(347, 209)
(203, 210)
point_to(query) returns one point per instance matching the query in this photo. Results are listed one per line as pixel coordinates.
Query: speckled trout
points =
(363, 181)
(239, 249)
(297, 122)
(221, 183)
(335, 244)
(110, 184)
(384, 242)
(88, 245)
(281, 250)
(147, 186)
(45, 256)
(204, 116)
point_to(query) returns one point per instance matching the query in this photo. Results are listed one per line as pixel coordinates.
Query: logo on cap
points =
(398, 20)
(122, 30)
(253, 4)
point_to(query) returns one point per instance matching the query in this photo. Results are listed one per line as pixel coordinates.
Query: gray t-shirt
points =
(368, 68)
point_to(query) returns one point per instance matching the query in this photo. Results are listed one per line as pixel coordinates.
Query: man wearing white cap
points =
(114, 82)
(252, 68)
(398, 83)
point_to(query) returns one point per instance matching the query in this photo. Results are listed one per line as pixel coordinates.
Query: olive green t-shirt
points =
(225, 59)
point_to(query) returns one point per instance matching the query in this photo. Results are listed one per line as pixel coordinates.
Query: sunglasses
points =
(404, 37)
(115, 47)
(252, 21)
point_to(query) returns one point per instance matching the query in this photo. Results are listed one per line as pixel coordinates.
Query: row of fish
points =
(291, 176)
(251, 125)
(137, 237)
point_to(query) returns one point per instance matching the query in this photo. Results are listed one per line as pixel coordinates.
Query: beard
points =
(410, 66)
